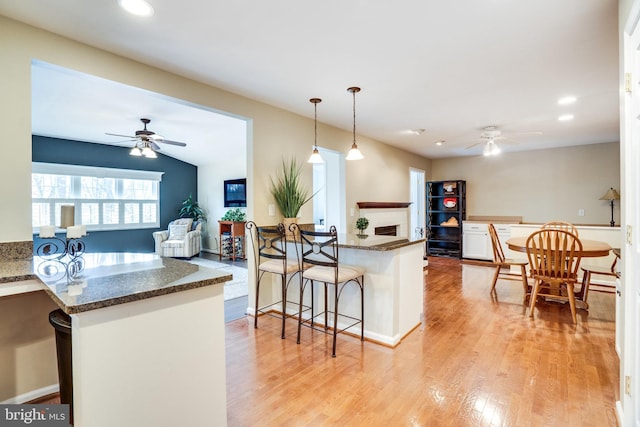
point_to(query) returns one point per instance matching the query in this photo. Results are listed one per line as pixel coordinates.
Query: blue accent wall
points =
(178, 181)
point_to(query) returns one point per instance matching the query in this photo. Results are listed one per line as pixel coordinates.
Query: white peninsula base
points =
(154, 362)
(393, 287)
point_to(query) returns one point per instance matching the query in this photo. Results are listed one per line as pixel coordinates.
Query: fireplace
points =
(386, 230)
(386, 218)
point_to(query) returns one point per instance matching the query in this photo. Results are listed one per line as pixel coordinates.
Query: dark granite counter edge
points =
(74, 309)
(18, 278)
(385, 246)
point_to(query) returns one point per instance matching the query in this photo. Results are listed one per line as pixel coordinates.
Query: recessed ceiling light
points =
(136, 7)
(565, 117)
(417, 131)
(567, 100)
(439, 143)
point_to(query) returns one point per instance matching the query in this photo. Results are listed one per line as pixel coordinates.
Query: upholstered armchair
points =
(181, 240)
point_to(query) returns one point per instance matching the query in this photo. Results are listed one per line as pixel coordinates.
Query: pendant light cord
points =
(354, 115)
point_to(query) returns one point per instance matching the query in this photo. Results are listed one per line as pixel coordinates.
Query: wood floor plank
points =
(477, 360)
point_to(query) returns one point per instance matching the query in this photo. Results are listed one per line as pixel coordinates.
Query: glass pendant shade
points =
(135, 151)
(315, 156)
(354, 153)
(148, 152)
(491, 149)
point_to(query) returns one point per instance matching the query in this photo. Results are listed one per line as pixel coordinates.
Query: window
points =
(104, 198)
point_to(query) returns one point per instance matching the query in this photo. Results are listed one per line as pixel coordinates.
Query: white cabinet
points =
(476, 241)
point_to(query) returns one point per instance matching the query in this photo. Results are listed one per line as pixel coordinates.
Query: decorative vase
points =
(287, 222)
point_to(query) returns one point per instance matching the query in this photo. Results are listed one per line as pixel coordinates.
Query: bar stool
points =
(270, 256)
(319, 252)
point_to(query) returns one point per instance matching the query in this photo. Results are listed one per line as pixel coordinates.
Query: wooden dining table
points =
(590, 248)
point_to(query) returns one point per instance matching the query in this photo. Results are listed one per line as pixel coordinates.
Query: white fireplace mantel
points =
(381, 214)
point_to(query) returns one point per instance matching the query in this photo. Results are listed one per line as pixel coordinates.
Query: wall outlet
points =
(353, 211)
(580, 212)
(272, 210)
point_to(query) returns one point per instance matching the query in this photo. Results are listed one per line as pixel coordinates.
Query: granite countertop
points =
(107, 279)
(374, 242)
(15, 270)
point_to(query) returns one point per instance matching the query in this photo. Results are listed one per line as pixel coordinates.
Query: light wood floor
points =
(476, 360)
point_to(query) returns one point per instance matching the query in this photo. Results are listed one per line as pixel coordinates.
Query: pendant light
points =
(315, 155)
(354, 153)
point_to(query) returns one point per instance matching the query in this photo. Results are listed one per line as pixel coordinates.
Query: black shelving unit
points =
(446, 209)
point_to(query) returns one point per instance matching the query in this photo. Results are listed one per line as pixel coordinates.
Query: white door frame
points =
(417, 209)
(629, 404)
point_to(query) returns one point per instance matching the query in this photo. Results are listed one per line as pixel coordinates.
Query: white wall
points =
(211, 192)
(540, 185)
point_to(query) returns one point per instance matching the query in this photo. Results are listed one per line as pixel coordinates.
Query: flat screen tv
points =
(235, 193)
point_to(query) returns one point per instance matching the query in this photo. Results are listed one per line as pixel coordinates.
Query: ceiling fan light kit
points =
(491, 134)
(148, 152)
(145, 141)
(491, 149)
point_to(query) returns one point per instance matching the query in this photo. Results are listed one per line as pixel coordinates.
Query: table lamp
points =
(611, 195)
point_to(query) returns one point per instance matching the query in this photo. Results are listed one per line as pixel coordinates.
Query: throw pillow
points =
(186, 221)
(177, 231)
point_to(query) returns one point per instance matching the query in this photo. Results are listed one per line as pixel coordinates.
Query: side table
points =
(232, 239)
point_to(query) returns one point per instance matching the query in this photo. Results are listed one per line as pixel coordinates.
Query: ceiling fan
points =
(489, 136)
(145, 141)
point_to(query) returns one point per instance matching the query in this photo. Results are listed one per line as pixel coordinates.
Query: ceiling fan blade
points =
(154, 145)
(127, 141)
(525, 133)
(473, 145)
(122, 136)
(168, 141)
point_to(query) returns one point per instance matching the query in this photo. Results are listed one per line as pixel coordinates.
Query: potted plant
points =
(235, 215)
(191, 209)
(289, 192)
(361, 224)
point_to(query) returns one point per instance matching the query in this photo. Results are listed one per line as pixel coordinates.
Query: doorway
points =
(328, 186)
(417, 214)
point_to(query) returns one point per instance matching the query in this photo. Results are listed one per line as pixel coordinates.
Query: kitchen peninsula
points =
(147, 333)
(393, 285)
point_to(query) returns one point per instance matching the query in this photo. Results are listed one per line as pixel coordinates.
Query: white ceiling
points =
(68, 104)
(450, 67)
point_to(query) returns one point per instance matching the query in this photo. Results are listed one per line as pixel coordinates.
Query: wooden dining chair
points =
(588, 272)
(554, 258)
(502, 263)
(561, 225)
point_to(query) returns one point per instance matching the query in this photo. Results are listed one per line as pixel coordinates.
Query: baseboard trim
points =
(33, 395)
